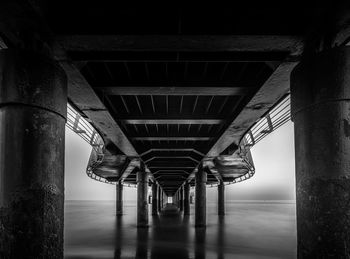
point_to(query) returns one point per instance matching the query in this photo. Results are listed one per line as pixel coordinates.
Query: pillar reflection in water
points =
(199, 252)
(170, 235)
(118, 238)
(142, 243)
(221, 237)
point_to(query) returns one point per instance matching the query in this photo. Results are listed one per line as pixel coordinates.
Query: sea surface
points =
(250, 229)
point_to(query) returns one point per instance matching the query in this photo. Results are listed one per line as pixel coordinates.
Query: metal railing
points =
(272, 120)
(86, 131)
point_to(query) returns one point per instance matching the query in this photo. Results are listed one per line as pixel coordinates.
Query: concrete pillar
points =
(320, 95)
(142, 203)
(181, 194)
(187, 199)
(154, 199)
(33, 108)
(159, 198)
(221, 199)
(177, 199)
(119, 198)
(200, 204)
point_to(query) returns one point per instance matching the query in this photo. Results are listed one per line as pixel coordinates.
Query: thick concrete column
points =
(187, 199)
(221, 198)
(33, 108)
(320, 91)
(119, 198)
(154, 199)
(142, 203)
(200, 203)
(159, 198)
(181, 194)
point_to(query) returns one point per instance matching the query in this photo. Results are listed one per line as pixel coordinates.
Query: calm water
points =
(249, 230)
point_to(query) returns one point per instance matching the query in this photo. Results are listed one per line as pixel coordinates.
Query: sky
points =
(273, 180)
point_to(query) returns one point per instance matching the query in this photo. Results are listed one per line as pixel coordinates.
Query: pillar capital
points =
(29, 78)
(201, 175)
(321, 78)
(142, 176)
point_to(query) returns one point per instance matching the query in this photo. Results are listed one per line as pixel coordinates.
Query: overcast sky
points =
(274, 178)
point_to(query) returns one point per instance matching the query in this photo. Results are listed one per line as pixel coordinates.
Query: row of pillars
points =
(181, 198)
(33, 101)
(158, 197)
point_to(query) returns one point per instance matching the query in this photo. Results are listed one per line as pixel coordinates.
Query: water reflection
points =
(118, 238)
(170, 235)
(93, 231)
(142, 243)
(200, 243)
(220, 237)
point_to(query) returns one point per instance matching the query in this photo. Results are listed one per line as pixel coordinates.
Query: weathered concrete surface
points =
(33, 101)
(221, 198)
(154, 199)
(119, 198)
(187, 199)
(159, 198)
(200, 203)
(321, 114)
(181, 198)
(142, 203)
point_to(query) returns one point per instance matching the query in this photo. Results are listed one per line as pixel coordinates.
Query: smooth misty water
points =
(249, 230)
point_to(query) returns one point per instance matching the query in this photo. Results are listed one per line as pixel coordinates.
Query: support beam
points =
(172, 157)
(221, 199)
(200, 204)
(83, 96)
(272, 91)
(171, 121)
(33, 109)
(187, 199)
(181, 198)
(200, 89)
(142, 202)
(178, 43)
(154, 199)
(172, 149)
(172, 138)
(320, 111)
(119, 198)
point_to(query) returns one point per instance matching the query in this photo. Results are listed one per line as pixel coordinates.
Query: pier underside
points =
(172, 96)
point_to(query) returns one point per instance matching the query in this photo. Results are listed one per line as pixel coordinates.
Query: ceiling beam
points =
(171, 167)
(172, 157)
(172, 150)
(211, 89)
(172, 138)
(182, 43)
(173, 121)
(80, 93)
(269, 94)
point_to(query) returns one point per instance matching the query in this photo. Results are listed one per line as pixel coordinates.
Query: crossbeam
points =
(172, 138)
(272, 91)
(172, 157)
(172, 149)
(216, 89)
(173, 121)
(182, 43)
(82, 95)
